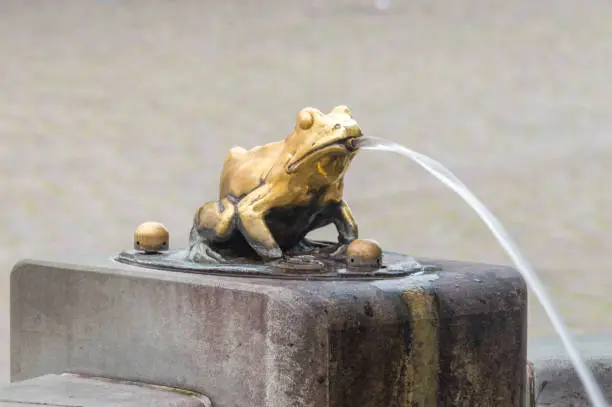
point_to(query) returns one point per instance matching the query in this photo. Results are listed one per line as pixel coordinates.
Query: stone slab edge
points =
(76, 390)
(552, 378)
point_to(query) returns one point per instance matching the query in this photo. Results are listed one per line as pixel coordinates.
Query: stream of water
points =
(533, 282)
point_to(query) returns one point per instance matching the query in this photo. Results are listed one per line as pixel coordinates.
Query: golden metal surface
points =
(364, 252)
(151, 237)
(276, 193)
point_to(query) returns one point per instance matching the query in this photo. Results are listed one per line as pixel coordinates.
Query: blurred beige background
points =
(115, 112)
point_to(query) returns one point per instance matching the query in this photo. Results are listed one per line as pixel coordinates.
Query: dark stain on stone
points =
(364, 358)
(399, 395)
(446, 379)
(477, 328)
(368, 310)
(407, 333)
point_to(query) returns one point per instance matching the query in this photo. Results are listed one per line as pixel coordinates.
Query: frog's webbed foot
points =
(304, 246)
(340, 251)
(319, 244)
(266, 254)
(308, 247)
(200, 252)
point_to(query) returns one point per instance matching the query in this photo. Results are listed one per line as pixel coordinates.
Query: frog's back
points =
(243, 170)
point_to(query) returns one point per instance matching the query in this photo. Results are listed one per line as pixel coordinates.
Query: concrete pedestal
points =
(451, 338)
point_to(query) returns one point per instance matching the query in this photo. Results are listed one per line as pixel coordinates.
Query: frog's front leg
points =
(344, 222)
(251, 222)
(340, 214)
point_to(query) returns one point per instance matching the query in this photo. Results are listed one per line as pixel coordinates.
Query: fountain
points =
(254, 312)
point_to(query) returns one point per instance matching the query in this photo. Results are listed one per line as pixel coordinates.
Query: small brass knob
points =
(151, 237)
(364, 252)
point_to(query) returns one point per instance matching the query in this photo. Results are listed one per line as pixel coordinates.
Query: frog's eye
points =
(305, 119)
(337, 126)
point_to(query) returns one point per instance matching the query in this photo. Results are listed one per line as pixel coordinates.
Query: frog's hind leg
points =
(213, 223)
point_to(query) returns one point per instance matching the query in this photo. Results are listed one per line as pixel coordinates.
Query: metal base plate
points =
(302, 267)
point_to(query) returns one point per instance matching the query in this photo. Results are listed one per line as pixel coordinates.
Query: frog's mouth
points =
(348, 144)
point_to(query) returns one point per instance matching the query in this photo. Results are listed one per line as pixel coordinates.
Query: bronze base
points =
(317, 266)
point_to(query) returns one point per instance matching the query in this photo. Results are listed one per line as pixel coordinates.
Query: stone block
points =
(451, 338)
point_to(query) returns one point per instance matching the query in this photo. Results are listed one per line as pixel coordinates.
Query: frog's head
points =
(319, 137)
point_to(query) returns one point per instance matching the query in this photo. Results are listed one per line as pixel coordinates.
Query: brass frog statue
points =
(272, 196)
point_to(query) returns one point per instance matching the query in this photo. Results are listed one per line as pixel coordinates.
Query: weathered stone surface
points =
(455, 337)
(555, 380)
(74, 391)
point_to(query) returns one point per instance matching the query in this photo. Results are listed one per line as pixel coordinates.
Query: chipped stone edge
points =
(198, 396)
